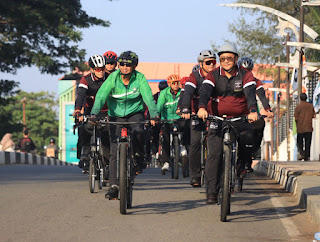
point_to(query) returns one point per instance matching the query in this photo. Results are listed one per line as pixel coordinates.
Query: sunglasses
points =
(175, 82)
(110, 62)
(228, 58)
(209, 62)
(99, 69)
(126, 64)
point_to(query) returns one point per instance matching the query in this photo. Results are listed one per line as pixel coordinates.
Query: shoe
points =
(81, 164)
(113, 193)
(195, 182)
(165, 167)
(300, 157)
(249, 170)
(212, 199)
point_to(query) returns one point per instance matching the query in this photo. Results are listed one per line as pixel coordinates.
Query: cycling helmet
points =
(96, 61)
(246, 63)
(110, 56)
(163, 85)
(196, 67)
(173, 78)
(129, 57)
(206, 54)
(52, 140)
(228, 48)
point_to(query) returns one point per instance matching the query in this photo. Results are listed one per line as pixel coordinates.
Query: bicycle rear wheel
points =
(226, 195)
(92, 175)
(123, 177)
(176, 157)
(101, 174)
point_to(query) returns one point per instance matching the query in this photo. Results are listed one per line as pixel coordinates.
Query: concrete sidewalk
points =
(300, 178)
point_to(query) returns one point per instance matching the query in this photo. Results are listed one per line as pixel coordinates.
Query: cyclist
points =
(125, 92)
(207, 62)
(234, 90)
(167, 107)
(87, 89)
(111, 61)
(258, 126)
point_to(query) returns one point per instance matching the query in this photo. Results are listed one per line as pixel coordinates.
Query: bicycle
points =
(125, 164)
(230, 165)
(175, 141)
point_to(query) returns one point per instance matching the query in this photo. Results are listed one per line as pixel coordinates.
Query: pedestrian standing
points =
(303, 114)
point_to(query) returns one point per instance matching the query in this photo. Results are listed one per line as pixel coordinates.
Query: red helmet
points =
(110, 56)
(183, 81)
(173, 78)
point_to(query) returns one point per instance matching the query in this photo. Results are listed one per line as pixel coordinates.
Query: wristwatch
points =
(253, 110)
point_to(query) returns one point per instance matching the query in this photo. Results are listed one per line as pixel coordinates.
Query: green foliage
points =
(41, 117)
(42, 33)
(258, 39)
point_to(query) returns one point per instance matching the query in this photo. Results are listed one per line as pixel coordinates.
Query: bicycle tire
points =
(123, 175)
(101, 174)
(226, 195)
(92, 175)
(240, 184)
(185, 166)
(176, 156)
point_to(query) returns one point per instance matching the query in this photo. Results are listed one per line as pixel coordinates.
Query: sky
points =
(158, 31)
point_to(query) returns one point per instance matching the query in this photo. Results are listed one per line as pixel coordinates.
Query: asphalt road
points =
(53, 203)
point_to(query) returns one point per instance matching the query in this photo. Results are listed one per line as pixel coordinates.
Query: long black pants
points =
(304, 143)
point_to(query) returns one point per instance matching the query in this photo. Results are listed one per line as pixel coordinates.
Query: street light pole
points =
(301, 39)
(288, 99)
(24, 111)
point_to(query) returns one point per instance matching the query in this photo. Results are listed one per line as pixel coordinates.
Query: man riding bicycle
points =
(87, 90)
(125, 92)
(234, 91)
(189, 103)
(167, 107)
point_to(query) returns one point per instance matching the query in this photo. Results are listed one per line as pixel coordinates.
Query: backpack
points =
(26, 145)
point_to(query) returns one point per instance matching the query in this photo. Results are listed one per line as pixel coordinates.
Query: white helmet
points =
(205, 54)
(97, 61)
(228, 48)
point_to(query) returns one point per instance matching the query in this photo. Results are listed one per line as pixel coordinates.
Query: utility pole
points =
(24, 111)
(301, 39)
(288, 100)
(278, 112)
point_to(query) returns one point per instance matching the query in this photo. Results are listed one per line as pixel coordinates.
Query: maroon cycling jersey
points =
(87, 90)
(234, 96)
(190, 96)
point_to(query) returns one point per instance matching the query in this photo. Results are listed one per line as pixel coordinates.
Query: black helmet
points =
(52, 140)
(246, 63)
(96, 61)
(163, 85)
(128, 57)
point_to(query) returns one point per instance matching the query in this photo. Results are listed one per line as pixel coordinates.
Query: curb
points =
(19, 158)
(298, 182)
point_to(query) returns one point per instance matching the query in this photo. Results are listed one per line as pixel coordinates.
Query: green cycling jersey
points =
(167, 104)
(125, 100)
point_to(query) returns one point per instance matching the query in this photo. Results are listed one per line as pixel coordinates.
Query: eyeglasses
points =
(175, 82)
(110, 62)
(126, 64)
(209, 62)
(228, 58)
(99, 69)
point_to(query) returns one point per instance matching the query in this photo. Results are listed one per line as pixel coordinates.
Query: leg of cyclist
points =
(246, 140)
(195, 152)
(105, 140)
(138, 140)
(212, 167)
(258, 129)
(85, 133)
(166, 148)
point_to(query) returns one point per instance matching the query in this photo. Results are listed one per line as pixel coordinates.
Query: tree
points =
(41, 117)
(43, 33)
(258, 39)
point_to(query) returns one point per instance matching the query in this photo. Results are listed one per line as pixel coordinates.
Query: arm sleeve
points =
(206, 90)
(147, 97)
(81, 94)
(189, 89)
(249, 89)
(180, 99)
(262, 95)
(161, 101)
(102, 95)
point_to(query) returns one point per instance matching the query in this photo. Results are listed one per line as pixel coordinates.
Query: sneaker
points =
(112, 194)
(195, 182)
(212, 199)
(81, 164)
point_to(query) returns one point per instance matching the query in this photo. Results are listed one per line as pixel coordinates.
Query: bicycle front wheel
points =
(225, 200)
(123, 177)
(176, 157)
(92, 175)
